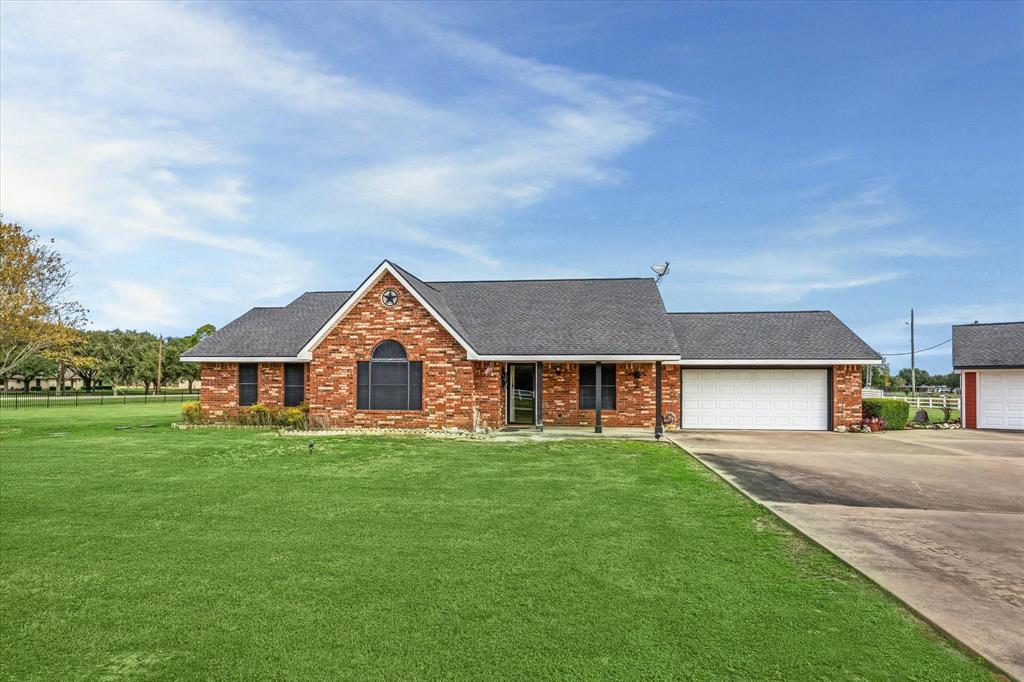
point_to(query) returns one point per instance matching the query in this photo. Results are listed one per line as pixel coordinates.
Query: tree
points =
(177, 370)
(36, 366)
(87, 361)
(36, 314)
(923, 378)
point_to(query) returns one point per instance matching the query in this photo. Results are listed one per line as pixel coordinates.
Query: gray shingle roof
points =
(802, 335)
(1000, 344)
(272, 332)
(561, 317)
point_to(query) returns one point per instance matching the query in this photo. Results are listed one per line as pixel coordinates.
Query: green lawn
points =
(151, 553)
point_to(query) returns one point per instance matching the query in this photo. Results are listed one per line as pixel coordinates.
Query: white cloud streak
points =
(138, 132)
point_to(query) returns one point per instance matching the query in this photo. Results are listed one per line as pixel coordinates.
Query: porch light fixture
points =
(637, 374)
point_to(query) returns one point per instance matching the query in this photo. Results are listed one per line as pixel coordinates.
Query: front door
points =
(521, 394)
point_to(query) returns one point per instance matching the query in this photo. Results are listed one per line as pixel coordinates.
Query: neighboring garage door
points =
(1001, 399)
(755, 399)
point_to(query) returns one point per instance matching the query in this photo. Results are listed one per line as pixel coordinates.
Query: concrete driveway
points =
(935, 517)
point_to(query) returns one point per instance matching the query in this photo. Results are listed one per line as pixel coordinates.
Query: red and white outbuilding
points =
(990, 361)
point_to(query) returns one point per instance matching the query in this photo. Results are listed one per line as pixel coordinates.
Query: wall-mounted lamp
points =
(637, 374)
(558, 370)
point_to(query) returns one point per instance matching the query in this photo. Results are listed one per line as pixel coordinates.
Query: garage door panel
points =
(1001, 399)
(755, 399)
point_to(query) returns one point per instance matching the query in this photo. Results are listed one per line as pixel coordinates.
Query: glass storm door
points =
(521, 394)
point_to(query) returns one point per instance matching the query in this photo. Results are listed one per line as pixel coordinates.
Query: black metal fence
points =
(16, 400)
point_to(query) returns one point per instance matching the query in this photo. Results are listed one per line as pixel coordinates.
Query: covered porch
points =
(580, 396)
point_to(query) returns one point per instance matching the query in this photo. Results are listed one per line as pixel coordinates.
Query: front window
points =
(588, 387)
(247, 384)
(294, 384)
(388, 381)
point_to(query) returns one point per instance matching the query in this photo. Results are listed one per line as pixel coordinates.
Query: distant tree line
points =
(42, 327)
(881, 378)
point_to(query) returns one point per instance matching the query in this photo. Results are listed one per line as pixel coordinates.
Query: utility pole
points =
(913, 366)
(159, 364)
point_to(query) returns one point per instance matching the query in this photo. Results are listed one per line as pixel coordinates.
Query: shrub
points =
(191, 412)
(895, 413)
(295, 417)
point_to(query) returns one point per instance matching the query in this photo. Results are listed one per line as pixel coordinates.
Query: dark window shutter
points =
(363, 386)
(415, 385)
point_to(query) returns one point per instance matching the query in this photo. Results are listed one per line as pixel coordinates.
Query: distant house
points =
(16, 382)
(401, 352)
(990, 361)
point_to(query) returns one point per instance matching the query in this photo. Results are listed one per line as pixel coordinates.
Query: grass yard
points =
(152, 553)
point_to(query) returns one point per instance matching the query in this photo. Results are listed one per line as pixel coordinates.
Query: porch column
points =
(659, 427)
(538, 402)
(597, 398)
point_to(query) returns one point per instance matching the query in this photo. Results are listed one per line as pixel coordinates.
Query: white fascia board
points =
(307, 351)
(575, 358)
(764, 362)
(244, 359)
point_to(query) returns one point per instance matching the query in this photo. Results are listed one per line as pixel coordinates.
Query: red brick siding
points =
(448, 377)
(634, 397)
(489, 396)
(970, 417)
(270, 386)
(671, 394)
(218, 393)
(846, 395)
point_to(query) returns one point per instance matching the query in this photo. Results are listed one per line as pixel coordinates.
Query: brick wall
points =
(449, 379)
(218, 394)
(488, 395)
(846, 396)
(270, 387)
(634, 397)
(671, 394)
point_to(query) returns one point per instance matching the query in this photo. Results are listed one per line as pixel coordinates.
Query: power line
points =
(888, 355)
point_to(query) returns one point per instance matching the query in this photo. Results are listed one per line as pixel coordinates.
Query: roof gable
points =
(420, 291)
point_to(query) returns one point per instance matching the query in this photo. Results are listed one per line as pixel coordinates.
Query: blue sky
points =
(194, 160)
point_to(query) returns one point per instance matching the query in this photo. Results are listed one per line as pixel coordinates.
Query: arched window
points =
(388, 381)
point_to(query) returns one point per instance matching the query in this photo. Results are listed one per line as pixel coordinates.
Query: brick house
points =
(400, 352)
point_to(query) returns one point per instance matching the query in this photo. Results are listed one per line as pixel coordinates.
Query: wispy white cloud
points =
(141, 133)
(845, 250)
(870, 209)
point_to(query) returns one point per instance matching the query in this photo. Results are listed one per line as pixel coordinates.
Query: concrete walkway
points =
(935, 517)
(572, 433)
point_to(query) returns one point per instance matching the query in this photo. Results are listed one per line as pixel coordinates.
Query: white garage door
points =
(1001, 399)
(755, 399)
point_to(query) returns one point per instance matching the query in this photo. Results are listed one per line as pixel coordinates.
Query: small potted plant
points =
(873, 424)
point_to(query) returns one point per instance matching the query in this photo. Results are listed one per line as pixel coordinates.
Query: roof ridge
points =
(542, 279)
(328, 291)
(986, 324)
(745, 312)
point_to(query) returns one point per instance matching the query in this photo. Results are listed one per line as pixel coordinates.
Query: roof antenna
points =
(660, 271)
